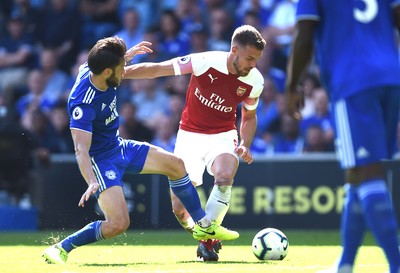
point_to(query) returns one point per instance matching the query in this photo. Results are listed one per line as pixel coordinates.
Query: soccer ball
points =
(270, 244)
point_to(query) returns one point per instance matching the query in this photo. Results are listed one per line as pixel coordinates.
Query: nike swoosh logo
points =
(222, 202)
(210, 233)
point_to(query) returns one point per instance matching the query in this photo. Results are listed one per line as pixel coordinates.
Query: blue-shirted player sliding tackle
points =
(359, 64)
(103, 157)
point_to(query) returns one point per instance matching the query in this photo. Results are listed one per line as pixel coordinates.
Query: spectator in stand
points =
(99, 18)
(315, 140)
(56, 80)
(59, 120)
(130, 32)
(261, 9)
(58, 25)
(176, 87)
(80, 59)
(150, 100)
(279, 33)
(321, 117)
(39, 126)
(275, 126)
(5, 12)
(35, 96)
(165, 133)
(132, 128)
(148, 10)
(221, 29)
(267, 109)
(308, 84)
(199, 39)
(251, 18)
(207, 6)
(189, 14)
(158, 55)
(18, 152)
(167, 4)
(29, 13)
(289, 140)
(174, 41)
(175, 109)
(16, 52)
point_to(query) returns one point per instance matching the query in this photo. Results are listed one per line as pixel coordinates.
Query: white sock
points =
(218, 203)
(204, 222)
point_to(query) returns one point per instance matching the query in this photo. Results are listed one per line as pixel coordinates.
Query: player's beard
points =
(240, 72)
(113, 81)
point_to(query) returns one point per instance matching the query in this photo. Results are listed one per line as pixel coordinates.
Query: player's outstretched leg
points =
(55, 255)
(214, 231)
(208, 250)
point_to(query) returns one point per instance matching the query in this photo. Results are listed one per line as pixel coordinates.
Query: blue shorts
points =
(109, 169)
(366, 126)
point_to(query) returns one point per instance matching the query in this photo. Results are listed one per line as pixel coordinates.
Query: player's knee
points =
(223, 181)
(177, 168)
(119, 226)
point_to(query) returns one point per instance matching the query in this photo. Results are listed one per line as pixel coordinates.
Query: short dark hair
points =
(248, 35)
(106, 53)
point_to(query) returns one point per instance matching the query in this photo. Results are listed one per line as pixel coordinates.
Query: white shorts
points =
(198, 151)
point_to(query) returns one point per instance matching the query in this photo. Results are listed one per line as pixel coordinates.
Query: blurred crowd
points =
(43, 42)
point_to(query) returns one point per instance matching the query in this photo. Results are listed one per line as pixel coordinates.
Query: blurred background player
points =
(359, 65)
(103, 156)
(208, 137)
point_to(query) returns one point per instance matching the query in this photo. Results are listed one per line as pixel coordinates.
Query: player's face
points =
(245, 59)
(115, 78)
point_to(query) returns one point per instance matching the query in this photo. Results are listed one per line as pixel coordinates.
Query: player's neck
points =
(229, 64)
(98, 82)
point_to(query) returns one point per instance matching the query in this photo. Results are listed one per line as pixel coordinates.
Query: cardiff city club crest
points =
(240, 91)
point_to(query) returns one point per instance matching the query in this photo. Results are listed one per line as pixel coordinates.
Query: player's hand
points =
(92, 189)
(244, 153)
(140, 48)
(294, 103)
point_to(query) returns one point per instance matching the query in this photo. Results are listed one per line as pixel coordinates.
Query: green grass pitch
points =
(149, 251)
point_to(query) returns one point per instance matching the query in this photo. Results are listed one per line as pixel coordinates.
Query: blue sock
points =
(380, 218)
(89, 234)
(352, 226)
(187, 194)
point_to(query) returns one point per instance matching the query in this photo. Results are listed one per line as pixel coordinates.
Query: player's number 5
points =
(367, 14)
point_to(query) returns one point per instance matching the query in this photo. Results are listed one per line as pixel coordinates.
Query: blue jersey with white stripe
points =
(355, 43)
(94, 111)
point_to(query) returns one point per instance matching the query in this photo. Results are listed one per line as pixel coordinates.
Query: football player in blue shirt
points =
(103, 156)
(357, 54)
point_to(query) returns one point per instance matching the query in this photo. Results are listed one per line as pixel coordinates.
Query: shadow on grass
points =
(220, 262)
(116, 264)
(178, 262)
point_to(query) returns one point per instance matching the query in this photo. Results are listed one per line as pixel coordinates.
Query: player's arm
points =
(15, 58)
(82, 141)
(248, 128)
(147, 70)
(302, 50)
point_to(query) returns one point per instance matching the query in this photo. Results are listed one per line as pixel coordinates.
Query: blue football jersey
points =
(362, 30)
(94, 111)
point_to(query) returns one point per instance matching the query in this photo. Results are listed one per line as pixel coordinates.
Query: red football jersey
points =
(213, 93)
